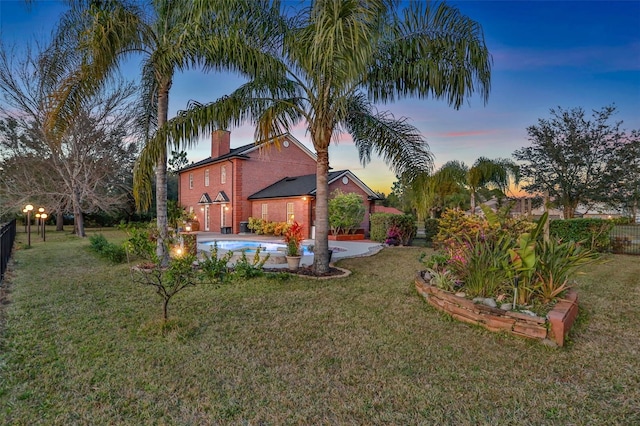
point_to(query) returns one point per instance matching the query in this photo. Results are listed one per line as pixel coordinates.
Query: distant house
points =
(275, 182)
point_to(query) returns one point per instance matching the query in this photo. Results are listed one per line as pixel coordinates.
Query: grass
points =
(81, 344)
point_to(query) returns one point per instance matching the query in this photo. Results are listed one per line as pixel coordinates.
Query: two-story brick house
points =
(272, 181)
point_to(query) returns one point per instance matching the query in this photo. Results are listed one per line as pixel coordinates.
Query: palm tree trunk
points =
(321, 250)
(161, 181)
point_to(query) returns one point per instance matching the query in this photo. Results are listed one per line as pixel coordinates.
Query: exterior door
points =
(222, 216)
(206, 217)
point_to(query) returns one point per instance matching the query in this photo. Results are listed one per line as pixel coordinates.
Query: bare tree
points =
(83, 170)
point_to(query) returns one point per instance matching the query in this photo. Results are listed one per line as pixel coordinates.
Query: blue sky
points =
(546, 54)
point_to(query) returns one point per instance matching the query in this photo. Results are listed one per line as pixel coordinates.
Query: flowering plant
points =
(393, 236)
(293, 238)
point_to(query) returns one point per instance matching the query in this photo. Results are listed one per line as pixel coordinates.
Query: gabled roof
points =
(244, 150)
(299, 186)
(220, 198)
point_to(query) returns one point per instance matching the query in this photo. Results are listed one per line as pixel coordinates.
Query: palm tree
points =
(338, 58)
(491, 173)
(170, 36)
(444, 188)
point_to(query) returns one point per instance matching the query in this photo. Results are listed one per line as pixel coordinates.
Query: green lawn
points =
(81, 345)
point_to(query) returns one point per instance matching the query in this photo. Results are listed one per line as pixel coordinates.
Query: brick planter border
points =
(346, 237)
(553, 328)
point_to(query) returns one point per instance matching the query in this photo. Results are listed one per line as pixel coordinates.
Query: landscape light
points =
(28, 208)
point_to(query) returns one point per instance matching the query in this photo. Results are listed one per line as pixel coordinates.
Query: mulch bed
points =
(307, 271)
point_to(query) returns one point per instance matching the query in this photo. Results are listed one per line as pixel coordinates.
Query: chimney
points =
(220, 143)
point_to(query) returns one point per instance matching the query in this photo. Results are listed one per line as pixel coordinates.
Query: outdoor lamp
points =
(43, 216)
(40, 223)
(28, 208)
(187, 228)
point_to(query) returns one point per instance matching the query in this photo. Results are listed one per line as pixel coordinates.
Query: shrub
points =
(250, 269)
(431, 227)
(593, 233)
(104, 248)
(382, 222)
(456, 223)
(141, 242)
(98, 242)
(346, 212)
(215, 269)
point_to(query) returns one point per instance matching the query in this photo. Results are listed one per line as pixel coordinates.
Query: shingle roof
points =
(295, 186)
(234, 152)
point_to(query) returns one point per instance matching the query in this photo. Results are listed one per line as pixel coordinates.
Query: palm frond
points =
(431, 50)
(400, 144)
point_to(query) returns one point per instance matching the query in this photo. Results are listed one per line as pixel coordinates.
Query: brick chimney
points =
(220, 143)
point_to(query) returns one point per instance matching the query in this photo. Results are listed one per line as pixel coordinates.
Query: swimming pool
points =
(251, 246)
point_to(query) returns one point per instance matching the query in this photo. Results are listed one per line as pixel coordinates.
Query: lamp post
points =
(37, 215)
(41, 223)
(43, 216)
(28, 208)
(25, 220)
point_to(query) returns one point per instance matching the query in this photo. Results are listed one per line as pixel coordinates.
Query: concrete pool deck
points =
(345, 249)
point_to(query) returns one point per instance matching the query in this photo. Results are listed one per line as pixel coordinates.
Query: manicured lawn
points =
(81, 345)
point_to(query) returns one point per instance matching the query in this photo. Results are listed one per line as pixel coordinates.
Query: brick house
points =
(267, 181)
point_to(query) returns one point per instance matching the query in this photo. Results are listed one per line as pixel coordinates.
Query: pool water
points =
(251, 246)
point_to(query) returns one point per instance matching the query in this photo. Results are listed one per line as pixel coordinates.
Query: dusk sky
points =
(546, 54)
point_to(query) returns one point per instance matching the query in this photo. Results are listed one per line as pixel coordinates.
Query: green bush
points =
(346, 212)
(382, 222)
(98, 242)
(593, 233)
(104, 248)
(115, 253)
(431, 227)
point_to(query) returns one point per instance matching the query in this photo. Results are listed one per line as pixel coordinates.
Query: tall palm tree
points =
(170, 36)
(338, 58)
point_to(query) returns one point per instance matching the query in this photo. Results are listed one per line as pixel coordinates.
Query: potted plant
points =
(293, 238)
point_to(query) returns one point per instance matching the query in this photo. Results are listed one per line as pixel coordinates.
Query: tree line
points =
(574, 160)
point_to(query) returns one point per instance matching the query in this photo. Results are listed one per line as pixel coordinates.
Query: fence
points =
(625, 239)
(7, 237)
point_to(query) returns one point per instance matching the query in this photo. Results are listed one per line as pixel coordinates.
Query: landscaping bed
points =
(554, 328)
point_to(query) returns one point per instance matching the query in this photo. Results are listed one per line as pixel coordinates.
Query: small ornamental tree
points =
(346, 212)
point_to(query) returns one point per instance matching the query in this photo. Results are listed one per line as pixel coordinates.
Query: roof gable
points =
(299, 186)
(243, 151)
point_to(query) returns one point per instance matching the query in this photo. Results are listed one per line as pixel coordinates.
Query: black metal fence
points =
(7, 237)
(625, 239)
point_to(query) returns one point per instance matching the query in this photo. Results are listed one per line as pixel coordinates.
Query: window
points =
(206, 177)
(223, 174)
(190, 180)
(264, 211)
(290, 215)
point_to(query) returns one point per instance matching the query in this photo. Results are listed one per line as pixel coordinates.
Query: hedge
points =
(594, 233)
(431, 227)
(381, 222)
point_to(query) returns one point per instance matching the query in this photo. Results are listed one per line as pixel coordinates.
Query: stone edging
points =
(554, 328)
